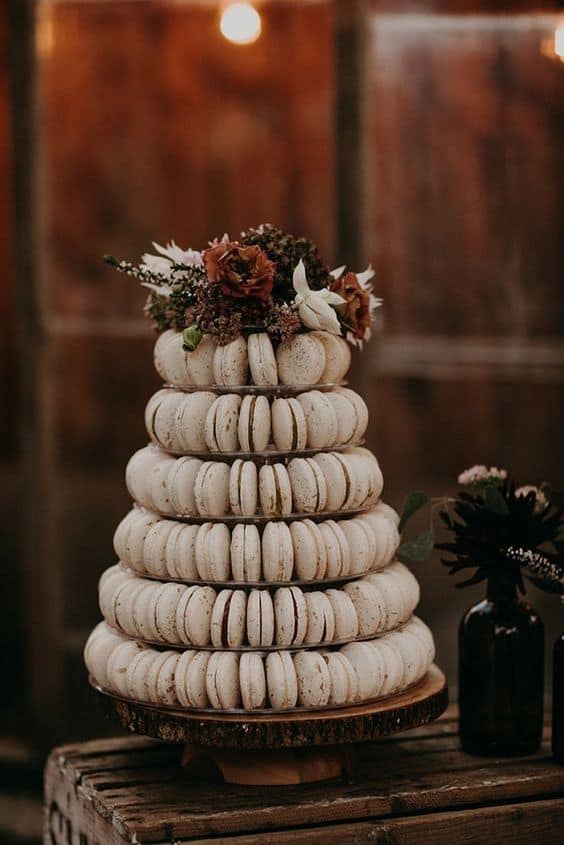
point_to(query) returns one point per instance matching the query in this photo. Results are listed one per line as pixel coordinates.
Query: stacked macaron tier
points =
(257, 569)
(279, 680)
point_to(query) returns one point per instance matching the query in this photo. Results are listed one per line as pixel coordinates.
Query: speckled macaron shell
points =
(275, 491)
(260, 618)
(116, 667)
(368, 667)
(176, 420)
(393, 665)
(153, 672)
(289, 427)
(320, 618)
(254, 424)
(343, 678)
(110, 581)
(310, 554)
(368, 476)
(181, 677)
(181, 552)
(98, 648)
(125, 605)
(252, 681)
(339, 556)
(359, 541)
(228, 619)
(309, 487)
(352, 417)
(222, 680)
(277, 552)
(301, 359)
(212, 552)
(417, 626)
(221, 424)
(158, 487)
(181, 485)
(369, 604)
(340, 480)
(345, 615)
(245, 553)
(413, 654)
(193, 615)
(137, 674)
(281, 680)
(393, 591)
(231, 363)
(143, 612)
(181, 368)
(360, 408)
(290, 616)
(211, 489)
(337, 357)
(160, 412)
(154, 547)
(192, 676)
(321, 419)
(262, 361)
(243, 488)
(386, 537)
(383, 509)
(314, 680)
(166, 687)
(165, 612)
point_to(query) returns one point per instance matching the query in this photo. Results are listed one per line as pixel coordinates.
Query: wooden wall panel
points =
(169, 131)
(466, 131)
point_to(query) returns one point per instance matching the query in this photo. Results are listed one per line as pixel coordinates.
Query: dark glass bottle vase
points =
(501, 674)
(558, 700)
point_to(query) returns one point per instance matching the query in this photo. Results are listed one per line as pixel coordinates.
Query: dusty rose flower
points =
(356, 309)
(242, 271)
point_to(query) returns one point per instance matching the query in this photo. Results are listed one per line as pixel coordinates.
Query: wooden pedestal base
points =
(269, 768)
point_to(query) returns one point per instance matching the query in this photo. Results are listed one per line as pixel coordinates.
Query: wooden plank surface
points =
(415, 788)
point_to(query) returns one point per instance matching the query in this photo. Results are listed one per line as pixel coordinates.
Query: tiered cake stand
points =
(271, 747)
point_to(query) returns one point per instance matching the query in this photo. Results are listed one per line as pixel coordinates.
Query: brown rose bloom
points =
(356, 308)
(242, 271)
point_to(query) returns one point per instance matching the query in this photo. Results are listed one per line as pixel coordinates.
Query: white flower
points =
(315, 307)
(156, 264)
(481, 474)
(159, 290)
(189, 257)
(540, 499)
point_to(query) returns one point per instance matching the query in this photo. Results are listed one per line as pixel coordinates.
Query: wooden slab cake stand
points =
(283, 747)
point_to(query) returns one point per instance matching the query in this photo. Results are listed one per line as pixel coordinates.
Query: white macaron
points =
(289, 427)
(370, 606)
(193, 615)
(301, 359)
(231, 363)
(275, 491)
(339, 554)
(277, 552)
(314, 680)
(351, 423)
(228, 619)
(344, 684)
(181, 483)
(291, 616)
(368, 667)
(340, 480)
(344, 612)
(310, 554)
(254, 424)
(221, 424)
(222, 680)
(260, 618)
(212, 552)
(138, 473)
(181, 554)
(211, 489)
(252, 680)
(154, 547)
(337, 357)
(262, 361)
(281, 680)
(320, 618)
(181, 368)
(245, 553)
(309, 487)
(243, 488)
(190, 678)
(321, 419)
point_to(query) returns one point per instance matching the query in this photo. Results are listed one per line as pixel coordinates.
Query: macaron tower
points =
(256, 569)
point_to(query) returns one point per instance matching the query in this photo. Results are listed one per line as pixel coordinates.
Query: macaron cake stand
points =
(257, 613)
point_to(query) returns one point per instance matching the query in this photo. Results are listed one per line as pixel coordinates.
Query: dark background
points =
(426, 137)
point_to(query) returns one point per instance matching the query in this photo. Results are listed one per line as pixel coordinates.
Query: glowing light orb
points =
(240, 23)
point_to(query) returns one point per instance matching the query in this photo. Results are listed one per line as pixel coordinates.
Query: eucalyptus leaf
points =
(419, 548)
(191, 337)
(412, 504)
(494, 500)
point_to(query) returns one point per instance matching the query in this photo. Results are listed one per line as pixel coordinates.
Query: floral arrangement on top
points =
(498, 529)
(267, 278)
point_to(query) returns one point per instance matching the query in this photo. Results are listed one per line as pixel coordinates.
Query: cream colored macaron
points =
(169, 596)
(340, 480)
(321, 419)
(252, 681)
(181, 368)
(310, 554)
(320, 618)
(138, 473)
(337, 357)
(262, 361)
(154, 547)
(339, 554)
(243, 488)
(359, 407)
(290, 615)
(275, 491)
(254, 424)
(309, 487)
(277, 552)
(352, 417)
(193, 615)
(222, 680)
(231, 363)
(181, 482)
(181, 555)
(212, 552)
(301, 359)
(314, 680)
(228, 619)
(345, 615)
(368, 667)
(221, 424)
(211, 489)
(281, 680)
(386, 537)
(289, 427)
(370, 606)
(190, 678)
(344, 684)
(361, 544)
(245, 553)
(260, 618)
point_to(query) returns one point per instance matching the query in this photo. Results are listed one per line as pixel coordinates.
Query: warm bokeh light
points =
(559, 42)
(240, 23)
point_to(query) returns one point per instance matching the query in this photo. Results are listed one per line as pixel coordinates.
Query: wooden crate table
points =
(416, 787)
